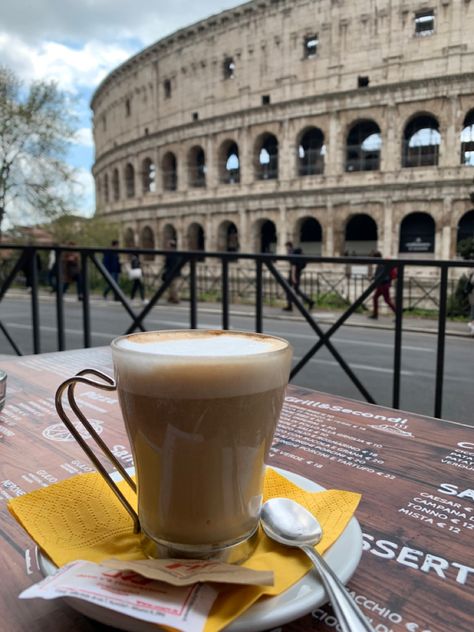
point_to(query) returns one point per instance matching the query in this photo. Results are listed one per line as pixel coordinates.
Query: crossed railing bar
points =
(27, 260)
(426, 294)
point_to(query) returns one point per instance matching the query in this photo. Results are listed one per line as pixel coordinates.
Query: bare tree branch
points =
(36, 128)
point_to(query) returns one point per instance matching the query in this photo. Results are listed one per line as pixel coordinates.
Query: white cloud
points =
(83, 137)
(84, 192)
(71, 68)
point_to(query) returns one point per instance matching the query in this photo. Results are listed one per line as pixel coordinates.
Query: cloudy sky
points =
(77, 43)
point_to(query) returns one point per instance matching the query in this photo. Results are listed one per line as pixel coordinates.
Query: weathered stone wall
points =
(174, 96)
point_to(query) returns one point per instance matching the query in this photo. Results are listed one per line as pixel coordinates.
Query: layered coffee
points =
(200, 409)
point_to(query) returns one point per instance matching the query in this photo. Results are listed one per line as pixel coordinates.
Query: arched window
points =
(417, 233)
(311, 152)
(116, 185)
(467, 140)
(361, 235)
(129, 180)
(363, 146)
(169, 234)
(229, 163)
(196, 237)
(147, 239)
(106, 187)
(266, 236)
(267, 157)
(169, 171)
(466, 227)
(310, 236)
(228, 237)
(148, 176)
(421, 140)
(197, 167)
(129, 238)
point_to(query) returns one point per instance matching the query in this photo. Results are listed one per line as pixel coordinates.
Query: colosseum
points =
(342, 126)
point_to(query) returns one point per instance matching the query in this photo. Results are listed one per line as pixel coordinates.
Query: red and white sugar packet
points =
(182, 607)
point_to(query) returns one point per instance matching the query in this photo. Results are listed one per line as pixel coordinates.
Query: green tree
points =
(36, 127)
(88, 232)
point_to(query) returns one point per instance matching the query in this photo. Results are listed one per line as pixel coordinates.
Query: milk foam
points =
(200, 364)
(202, 345)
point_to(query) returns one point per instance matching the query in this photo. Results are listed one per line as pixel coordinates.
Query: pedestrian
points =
(26, 269)
(171, 260)
(72, 271)
(52, 270)
(383, 286)
(135, 274)
(111, 261)
(469, 292)
(294, 278)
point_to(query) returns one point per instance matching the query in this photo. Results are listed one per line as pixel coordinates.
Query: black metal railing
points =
(260, 268)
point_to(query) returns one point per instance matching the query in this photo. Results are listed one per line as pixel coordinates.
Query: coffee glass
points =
(200, 409)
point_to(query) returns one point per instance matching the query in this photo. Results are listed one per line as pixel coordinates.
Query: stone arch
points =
(361, 235)
(169, 234)
(467, 139)
(311, 152)
(266, 157)
(116, 185)
(466, 227)
(196, 237)
(197, 167)
(229, 162)
(147, 241)
(421, 141)
(309, 235)
(129, 180)
(417, 234)
(148, 176)
(228, 237)
(169, 172)
(363, 146)
(265, 236)
(129, 238)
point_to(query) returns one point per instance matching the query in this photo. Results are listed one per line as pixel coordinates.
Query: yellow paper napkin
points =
(80, 518)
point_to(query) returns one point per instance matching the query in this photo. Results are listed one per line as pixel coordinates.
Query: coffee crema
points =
(200, 408)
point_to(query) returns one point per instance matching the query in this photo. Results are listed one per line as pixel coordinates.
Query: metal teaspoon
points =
(287, 522)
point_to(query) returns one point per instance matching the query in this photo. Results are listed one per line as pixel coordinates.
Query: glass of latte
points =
(200, 409)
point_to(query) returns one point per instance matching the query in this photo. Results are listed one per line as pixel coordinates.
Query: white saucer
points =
(268, 613)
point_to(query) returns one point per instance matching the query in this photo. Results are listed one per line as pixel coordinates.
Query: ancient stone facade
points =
(342, 125)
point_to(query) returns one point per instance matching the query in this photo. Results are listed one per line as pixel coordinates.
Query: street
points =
(367, 350)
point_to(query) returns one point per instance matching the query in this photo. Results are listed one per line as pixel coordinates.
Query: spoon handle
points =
(349, 615)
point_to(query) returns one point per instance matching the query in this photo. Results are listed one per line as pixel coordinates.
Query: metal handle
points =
(108, 384)
(349, 615)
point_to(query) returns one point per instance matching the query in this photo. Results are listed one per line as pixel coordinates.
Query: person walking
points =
(171, 260)
(52, 271)
(383, 287)
(72, 271)
(135, 274)
(112, 264)
(294, 278)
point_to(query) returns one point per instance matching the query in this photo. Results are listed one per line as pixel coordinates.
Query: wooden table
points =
(415, 475)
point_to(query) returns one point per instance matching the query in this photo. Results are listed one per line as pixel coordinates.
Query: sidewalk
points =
(323, 317)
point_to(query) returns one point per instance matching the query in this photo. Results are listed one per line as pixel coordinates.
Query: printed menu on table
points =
(415, 475)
